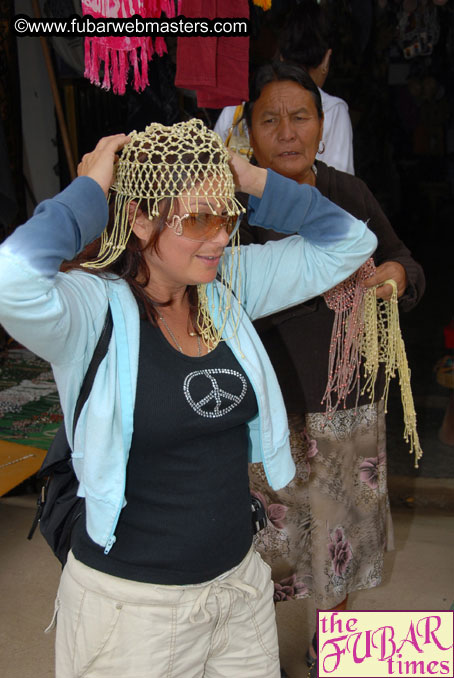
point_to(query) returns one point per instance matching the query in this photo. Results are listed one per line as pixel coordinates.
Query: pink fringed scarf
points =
(344, 365)
(119, 53)
(366, 333)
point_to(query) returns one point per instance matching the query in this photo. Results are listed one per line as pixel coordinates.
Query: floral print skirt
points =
(329, 528)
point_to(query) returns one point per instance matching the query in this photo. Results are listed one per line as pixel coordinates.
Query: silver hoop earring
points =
(321, 147)
(176, 225)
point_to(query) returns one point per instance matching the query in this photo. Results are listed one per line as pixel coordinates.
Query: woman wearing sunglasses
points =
(162, 579)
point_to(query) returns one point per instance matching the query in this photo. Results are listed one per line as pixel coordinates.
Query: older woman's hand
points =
(99, 164)
(389, 270)
(248, 178)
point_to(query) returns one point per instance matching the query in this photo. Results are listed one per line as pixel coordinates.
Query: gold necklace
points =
(174, 339)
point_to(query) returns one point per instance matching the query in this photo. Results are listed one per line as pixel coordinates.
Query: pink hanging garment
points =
(119, 53)
(217, 68)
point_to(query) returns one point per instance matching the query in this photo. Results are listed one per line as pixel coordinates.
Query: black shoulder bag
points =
(58, 504)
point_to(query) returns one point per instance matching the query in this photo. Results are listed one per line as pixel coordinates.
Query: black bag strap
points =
(54, 455)
(98, 354)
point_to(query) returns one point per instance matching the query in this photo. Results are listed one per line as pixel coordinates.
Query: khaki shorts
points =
(110, 627)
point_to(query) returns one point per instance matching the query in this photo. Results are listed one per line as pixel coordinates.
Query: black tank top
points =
(188, 515)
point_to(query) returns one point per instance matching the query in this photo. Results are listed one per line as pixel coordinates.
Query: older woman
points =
(304, 40)
(162, 579)
(329, 528)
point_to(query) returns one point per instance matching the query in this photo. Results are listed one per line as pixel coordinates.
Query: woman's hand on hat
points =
(99, 164)
(390, 270)
(248, 178)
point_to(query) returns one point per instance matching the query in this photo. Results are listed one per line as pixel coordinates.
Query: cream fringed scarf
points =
(366, 332)
(185, 163)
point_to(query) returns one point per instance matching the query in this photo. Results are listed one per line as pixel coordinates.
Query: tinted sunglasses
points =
(201, 226)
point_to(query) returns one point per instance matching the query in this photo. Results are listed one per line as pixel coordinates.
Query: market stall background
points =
(393, 64)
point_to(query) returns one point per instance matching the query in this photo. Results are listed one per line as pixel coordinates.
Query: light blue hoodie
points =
(59, 316)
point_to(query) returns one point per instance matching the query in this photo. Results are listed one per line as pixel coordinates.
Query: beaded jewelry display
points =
(367, 330)
(188, 163)
(238, 136)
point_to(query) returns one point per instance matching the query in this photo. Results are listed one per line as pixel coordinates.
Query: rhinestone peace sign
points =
(211, 404)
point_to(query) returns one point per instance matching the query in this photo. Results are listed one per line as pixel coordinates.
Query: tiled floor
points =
(419, 575)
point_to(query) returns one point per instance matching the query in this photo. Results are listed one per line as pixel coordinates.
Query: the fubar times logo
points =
(403, 644)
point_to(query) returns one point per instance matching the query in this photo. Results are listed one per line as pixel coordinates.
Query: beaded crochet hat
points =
(184, 161)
